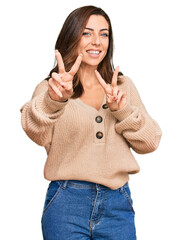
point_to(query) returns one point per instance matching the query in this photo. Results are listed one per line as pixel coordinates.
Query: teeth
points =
(93, 52)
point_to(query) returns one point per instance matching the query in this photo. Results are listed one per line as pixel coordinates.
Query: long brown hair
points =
(67, 43)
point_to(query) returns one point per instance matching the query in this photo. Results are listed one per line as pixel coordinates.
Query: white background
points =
(148, 49)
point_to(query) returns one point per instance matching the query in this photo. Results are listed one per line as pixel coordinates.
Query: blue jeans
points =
(81, 210)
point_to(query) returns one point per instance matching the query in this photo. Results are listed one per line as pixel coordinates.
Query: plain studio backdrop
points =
(148, 49)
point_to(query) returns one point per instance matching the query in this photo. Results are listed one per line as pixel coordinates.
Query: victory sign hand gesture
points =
(61, 83)
(116, 99)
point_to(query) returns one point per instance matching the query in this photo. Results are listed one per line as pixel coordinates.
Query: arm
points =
(134, 123)
(48, 102)
(39, 115)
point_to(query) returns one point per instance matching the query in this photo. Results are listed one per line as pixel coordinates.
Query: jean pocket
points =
(52, 192)
(125, 191)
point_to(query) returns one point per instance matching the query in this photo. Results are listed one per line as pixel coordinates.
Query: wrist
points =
(64, 100)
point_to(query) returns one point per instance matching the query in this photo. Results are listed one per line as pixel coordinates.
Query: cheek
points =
(106, 46)
(83, 43)
(80, 46)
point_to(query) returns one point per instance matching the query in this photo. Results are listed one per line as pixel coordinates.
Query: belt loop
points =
(121, 189)
(65, 184)
(97, 186)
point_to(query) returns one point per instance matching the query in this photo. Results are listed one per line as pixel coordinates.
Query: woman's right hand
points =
(61, 83)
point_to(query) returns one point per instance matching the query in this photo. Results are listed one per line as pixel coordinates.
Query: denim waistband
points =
(84, 184)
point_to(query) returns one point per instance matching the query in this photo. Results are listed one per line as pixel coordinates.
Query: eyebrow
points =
(103, 29)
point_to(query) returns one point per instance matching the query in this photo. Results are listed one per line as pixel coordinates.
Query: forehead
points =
(97, 22)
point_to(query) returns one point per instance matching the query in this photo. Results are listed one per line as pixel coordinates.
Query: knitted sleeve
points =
(39, 115)
(141, 131)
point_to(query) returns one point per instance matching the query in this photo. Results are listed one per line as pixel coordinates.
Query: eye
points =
(86, 34)
(104, 35)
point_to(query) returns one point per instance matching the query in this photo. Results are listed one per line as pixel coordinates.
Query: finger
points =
(76, 65)
(56, 77)
(60, 62)
(115, 91)
(110, 98)
(121, 96)
(108, 89)
(55, 88)
(67, 85)
(101, 80)
(115, 77)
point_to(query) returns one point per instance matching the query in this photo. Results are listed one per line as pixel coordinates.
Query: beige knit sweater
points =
(85, 144)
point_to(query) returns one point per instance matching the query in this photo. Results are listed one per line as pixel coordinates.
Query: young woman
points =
(88, 115)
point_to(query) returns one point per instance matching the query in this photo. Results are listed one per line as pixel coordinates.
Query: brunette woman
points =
(88, 115)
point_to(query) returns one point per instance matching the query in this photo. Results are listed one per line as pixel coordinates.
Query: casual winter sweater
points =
(86, 144)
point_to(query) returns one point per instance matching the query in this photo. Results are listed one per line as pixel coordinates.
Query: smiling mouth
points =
(93, 52)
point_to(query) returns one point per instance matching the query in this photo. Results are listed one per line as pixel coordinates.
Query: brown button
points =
(98, 119)
(105, 106)
(99, 135)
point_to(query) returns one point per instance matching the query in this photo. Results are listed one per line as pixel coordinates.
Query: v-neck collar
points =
(90, 108)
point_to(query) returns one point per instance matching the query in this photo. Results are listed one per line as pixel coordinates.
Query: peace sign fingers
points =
(60, 62)
(116, 98)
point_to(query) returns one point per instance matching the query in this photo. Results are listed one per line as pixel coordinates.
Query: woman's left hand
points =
(116, 99)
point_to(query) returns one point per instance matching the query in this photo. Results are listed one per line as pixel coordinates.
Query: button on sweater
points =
(83, 143)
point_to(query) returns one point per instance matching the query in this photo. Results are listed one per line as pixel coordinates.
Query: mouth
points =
(93, 53)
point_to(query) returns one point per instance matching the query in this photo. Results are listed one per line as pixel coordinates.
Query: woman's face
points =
(94, 41)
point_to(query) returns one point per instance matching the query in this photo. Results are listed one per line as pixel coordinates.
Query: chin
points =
(92, 63)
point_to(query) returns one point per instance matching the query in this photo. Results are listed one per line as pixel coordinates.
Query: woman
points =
(88, 115)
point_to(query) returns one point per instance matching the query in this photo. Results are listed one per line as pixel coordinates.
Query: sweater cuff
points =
(123, 113)
(50, 105)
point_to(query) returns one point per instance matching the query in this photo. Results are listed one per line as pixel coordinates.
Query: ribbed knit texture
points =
(68, 131)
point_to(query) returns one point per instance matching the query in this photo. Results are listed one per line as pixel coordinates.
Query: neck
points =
(88, 77)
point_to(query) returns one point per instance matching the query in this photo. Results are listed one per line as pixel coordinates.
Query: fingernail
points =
(80, 54)
(61, 95)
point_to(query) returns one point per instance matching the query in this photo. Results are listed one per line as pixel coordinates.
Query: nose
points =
(96, 40)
